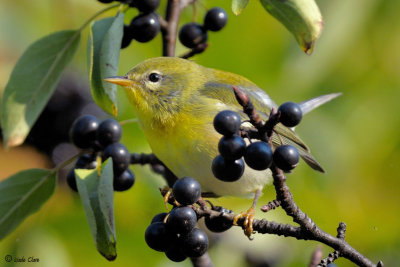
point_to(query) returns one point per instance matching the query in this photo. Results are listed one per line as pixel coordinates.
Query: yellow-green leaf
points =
(301, 17)
(238, 6)
(32, 83)
(23, 194)
(103, 50)
(97, 197)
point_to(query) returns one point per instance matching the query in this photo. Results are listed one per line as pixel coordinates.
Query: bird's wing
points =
(221, 89)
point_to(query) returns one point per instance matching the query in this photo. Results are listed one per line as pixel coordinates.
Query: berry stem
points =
(98, 14)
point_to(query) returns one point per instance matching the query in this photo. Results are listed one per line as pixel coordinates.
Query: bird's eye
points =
(154, 77)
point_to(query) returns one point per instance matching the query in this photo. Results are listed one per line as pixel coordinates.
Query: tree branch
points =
(169, 26)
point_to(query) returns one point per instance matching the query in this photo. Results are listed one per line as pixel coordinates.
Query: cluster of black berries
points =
(193, 34)
(175, 233)
(101, 139)
(145, 26)
(229, 165)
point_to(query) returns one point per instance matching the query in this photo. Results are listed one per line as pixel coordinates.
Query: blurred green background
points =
(355, 137)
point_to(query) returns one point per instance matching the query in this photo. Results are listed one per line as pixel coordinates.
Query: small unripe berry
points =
(215, 19)
(227, 170)
(291, 114)
(231, 147)
(186, 191)
(227, 122)
(286, 157)
(192, 34)
(258, 156)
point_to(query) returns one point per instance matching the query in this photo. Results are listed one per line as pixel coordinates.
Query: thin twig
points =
(271, 205)
(156, 165)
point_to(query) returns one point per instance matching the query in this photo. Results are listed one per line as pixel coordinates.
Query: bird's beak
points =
(120, 80)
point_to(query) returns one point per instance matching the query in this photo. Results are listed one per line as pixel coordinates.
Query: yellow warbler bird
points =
(176, 100)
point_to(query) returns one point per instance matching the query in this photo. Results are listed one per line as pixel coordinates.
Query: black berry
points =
(192, 34)
(86, 161)
(195, 243)
(83, 131)
(109, 132)
(124, 181)
(120, 156)
(145, 27)
(146, 6)
(258, 156)
(157, 236)
(215, 19)
(159, 217)
(286, 157)
(127, 37)
(231, 147)
(175, 254)
(291, 114)
(71, 180)
(218, 224)
(227, 122)
(181, 220)
(186, 191)
(227, 170)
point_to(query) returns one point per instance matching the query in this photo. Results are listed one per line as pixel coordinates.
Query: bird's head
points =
(157, 87)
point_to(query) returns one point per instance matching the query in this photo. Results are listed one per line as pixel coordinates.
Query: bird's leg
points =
(249, 216)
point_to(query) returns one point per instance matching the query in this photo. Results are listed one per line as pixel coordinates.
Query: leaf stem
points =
(66, 163)
(97, 14)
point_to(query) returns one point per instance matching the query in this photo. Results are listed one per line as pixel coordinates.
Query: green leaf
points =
(103, 50)
(301, 17)
(32, 83)
(238, 6)
(97, 198)
(23, 194)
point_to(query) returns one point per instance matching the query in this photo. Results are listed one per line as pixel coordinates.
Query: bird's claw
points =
(247, 223)
(167, 192)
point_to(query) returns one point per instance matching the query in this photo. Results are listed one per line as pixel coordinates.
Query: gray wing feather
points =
(313, 103)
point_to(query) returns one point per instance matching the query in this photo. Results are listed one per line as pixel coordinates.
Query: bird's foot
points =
(248, 221)
(168, 198)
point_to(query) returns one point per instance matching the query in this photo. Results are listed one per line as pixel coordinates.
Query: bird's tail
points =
(313, 103)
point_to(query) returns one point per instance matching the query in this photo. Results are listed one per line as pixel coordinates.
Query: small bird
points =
(176, 100)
